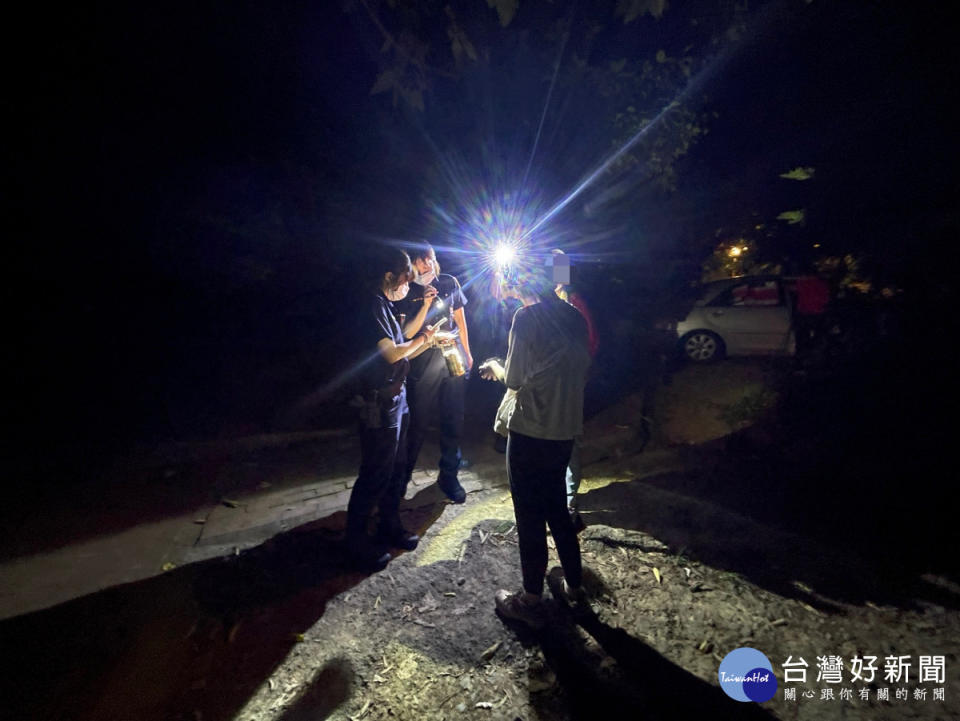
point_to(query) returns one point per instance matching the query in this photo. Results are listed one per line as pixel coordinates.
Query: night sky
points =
(194, 186)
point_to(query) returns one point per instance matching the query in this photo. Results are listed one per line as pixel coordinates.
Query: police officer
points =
(385, 419)
(435, 392)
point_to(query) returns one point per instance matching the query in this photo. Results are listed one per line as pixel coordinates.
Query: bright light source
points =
(503, 255)
(734, 251)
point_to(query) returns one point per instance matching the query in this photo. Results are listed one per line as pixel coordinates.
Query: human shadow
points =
(197, 641)
(331, 687)
(641, 683)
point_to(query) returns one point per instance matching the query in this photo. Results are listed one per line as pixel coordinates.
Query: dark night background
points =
(194, 191)
(193, 188)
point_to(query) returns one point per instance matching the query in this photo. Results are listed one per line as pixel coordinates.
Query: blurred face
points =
(428, 265)
(396, 287)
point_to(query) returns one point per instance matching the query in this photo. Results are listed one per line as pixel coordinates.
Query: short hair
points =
(389, 259)
(421, 250)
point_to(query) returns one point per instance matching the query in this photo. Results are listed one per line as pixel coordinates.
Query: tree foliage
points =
(799, 173)
(615, 51)
(630, 10)
(506, 9)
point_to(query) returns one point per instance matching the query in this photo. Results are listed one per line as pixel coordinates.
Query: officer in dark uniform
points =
(385, 419)
(436, 386)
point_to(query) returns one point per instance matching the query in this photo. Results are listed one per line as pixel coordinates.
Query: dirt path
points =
(687, 555)
(431, 646)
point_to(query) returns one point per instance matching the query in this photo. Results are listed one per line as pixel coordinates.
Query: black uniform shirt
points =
(453, 298)
(382, 325)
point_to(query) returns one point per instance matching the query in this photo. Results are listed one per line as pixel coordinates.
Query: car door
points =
(752, 316)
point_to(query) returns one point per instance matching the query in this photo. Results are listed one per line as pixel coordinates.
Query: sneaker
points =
(400, 537)
(573, 598)
(453, 490)
(512, 606)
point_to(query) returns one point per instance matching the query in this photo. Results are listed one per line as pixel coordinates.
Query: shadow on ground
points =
(649, 687)
(332, 686)
(196, 640)
(840, 486)
(640, 684)
(782, 560)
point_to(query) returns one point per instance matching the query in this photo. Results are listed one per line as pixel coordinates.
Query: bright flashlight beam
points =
(503, 255)
(546, 104)
(693, 86)
(596, 173)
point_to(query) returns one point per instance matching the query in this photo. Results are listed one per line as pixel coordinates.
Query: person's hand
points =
(492, 371)
(469, 361)
(429, 295)
(428, 332)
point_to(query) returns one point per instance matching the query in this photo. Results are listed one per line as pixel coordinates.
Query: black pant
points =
(537, 472)
(380, 481)
(433, 394)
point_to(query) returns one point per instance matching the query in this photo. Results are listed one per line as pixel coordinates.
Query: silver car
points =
(749, 315)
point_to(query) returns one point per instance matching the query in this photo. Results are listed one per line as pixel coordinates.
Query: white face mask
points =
(430, 275)
(398, 293)
(426, 278)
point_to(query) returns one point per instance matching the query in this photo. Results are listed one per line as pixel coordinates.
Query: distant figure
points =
(385, 419)
(809, 313)
(437, 387)
(547, 361)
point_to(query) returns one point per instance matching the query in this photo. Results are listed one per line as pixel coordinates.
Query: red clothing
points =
(813, 294)
(576, 300)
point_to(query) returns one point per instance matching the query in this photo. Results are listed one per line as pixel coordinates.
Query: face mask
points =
(398, 293)
(426, 278)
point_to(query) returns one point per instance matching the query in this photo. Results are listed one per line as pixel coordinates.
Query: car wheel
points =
(701, 346)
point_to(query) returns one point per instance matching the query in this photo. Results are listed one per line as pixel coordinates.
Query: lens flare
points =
(504, 255)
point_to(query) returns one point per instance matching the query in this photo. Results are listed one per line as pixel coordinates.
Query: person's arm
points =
(392, 352)
(426, 346)
(461, 318)
(414, 325)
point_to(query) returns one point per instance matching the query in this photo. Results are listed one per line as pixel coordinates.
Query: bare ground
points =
(687, 559)
(432, 647)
